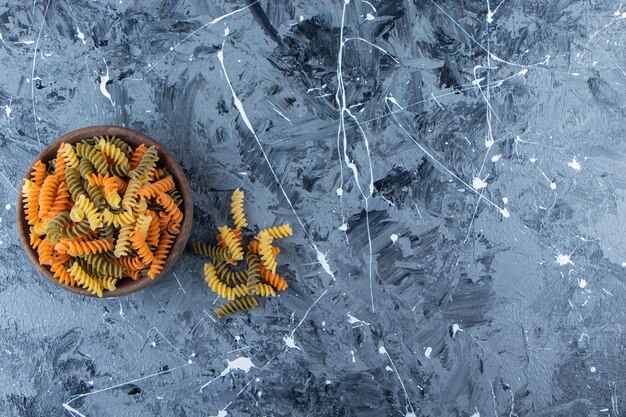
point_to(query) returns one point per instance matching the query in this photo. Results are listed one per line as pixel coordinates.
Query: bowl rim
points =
(166, 158)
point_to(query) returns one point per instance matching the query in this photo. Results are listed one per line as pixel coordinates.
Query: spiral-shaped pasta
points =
(210, 251)
(30, 194)
(265, 250)
(158, 187)
(94, 156)
(219, 287)
(62, 201)
(252, 273)
(59, 272)
(80, 248)
(124, 147)
(69, 156)
(38, 174)
(147, 164)
(279, 232)
(170, 207)
(139, 244)
(73, 231)
(275, 280)
(59, 163)
(160, 255)
(115, 154)
(35, 240)
(234, 245)
(164, 220)
(85, 280)
(44, 251)
(231, 277)
(137, 154)
(240, 304)
(236, 209)
(142, 224)
(236, 234)
(253, 246)
(175, 194)
(129, 263)
(55, 225)
(90, 211)
(40, 227)
(122, 245)
(130, 196)
(117, 219)
(265, 290)
(85, 168)
(104, 266)
(47, 194)
(74, 185)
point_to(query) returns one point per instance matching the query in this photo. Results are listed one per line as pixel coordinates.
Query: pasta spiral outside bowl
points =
(166, 160)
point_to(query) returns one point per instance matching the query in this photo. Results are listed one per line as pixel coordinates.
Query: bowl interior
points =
(134, 138)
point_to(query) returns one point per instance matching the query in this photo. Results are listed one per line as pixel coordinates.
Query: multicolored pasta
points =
(234, 273)
(102, 211)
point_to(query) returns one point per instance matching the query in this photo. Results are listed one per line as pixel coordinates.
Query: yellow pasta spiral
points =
(114, 153)
(265, 250)
(122, 246)
(71, 160)
(240, 304)
(143, 223)
(234, 246)
(279, 232)
(219, 287)
(117, 219)
(265, 290)
(236, 207)
(90, 211)
(85, 280)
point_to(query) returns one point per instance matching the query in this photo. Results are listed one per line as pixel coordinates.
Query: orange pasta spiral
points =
(275, 280)
(47, 194)
(253, 246)
(135, 157)
(154, 231)
(156, 188)
(39, 173)
(140, 245)
(160, 255)
(170, 207)
(80, 248)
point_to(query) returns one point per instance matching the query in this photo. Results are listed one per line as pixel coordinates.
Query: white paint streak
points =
(80, 35)
(32, 72)
(478, 183)
(428, 352)
(393, 237)
(103, 86)
(563, 259)
(321, 257)
(496, 158)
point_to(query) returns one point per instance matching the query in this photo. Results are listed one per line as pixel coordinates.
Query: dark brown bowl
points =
(126, 286)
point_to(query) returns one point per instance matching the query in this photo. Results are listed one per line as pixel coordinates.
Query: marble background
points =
(455, 172)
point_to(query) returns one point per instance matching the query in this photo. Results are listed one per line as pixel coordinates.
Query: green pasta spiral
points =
(252, 273)
(76, 230)
(103, 266)
(210, 251)
(74, 185)
(226, 274)
(94, 156)
(240, 304)
(53, 231)
(147, 164)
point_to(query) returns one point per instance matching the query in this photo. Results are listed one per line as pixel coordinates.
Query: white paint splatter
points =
(623, 264)
(353, 359)
(339, 192)
(8, 110)
(393, 237)
(574, 164)
(242, 363)
(476, 414)
(496, 158)
(553, 185)
(411, 414)
(593, 369)
(343, 227)
(27, 42)
(354, 320)
(532, 160)
(321, 258)
(369, 16)
(290, 342)
(394, 101)
(103, 87)
(505, 200)
(80, 35)
(8, 206)
(328, 382)
(489, 142)
(222, 413)
(456, 328)
(563, 259)
(428, 351)
(582, 283)
(382, 350)
(478, 183)
(505, 213)
(388, 368)
(226, 31)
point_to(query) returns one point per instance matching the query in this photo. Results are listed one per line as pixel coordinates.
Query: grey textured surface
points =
(477, 241)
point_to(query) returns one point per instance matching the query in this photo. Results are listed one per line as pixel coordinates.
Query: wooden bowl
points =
(126, 286)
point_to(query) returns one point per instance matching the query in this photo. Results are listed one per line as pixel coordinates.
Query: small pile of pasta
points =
(241, 271)
(102, 211)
